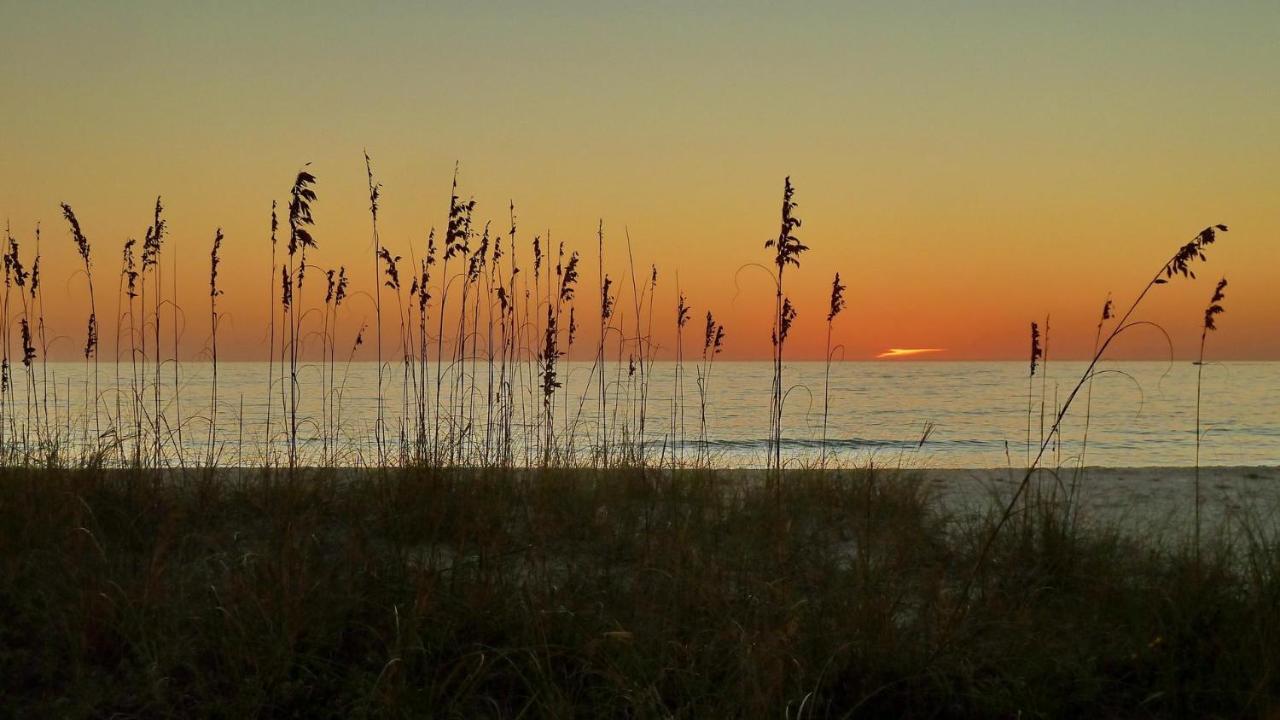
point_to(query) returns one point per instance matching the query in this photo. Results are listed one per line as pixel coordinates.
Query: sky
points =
(966, 167)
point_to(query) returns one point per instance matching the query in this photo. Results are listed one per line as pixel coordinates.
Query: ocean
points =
(921, 414)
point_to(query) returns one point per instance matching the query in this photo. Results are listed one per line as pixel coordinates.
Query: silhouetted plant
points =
(712, 344)
(271, 332)
(1212, 311)
(91, 332)
(214, 292)
(1088, 401)
(129, 279)
(836, 305)
(456, 243)
(5, 380)
(391, 270)
(151, 246)
(677, 395)
(179, 444)
(607, 301)
(646, 351)
(424, 301)
(1044, 376)
(124, 291)
(301, 195)
(375, 192)
(550, 382)
(787, 250)
(567, 272)
(477, 270)
(512, 328)
(1036, 354)
(48, 425)
(339, 294)
(20, 278)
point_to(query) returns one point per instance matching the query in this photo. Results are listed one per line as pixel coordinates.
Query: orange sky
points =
(966, 171)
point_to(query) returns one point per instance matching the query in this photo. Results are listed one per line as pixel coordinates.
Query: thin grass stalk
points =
(424, 305)
(286, 303)
(1214, 309)
(682, 319)
(1088, 400)
(151, 258)
(1044, 376)
(646, 362)
(836, 305)
(119, 323)
(458, 395)
(637, 299)
(457, 401)
(330, 276)
(355, 345)
(510, 333)
(339, 295)
(271, 331)
(529, 330)
(20, 275)
(606, 310)
(568, 279)
(132, 276)
(177, 364)
(407, 369)
(475, 272)
(493, 408)
(444, 297)
(375, 191)
(712, 343)
(37, 302)
(5, 379)
(214, 292)
(491, 268)
(1036, 353)
(389, 265)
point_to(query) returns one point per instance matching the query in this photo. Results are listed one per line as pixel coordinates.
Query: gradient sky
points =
(967, 167)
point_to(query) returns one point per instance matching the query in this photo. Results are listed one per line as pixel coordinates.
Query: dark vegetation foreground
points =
(606, 594)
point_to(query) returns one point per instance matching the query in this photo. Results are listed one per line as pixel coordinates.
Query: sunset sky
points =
(966, 167)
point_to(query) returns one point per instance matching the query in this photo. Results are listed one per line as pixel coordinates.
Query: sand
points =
(1155, 498)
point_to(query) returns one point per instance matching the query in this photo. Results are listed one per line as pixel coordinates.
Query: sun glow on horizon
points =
(906, 352)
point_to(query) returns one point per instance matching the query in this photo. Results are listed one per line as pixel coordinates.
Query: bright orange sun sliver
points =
(906, 352)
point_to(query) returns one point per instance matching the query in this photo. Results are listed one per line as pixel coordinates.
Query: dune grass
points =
(619, 593)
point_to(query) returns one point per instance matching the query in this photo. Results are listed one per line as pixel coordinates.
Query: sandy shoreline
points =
(1134, 496)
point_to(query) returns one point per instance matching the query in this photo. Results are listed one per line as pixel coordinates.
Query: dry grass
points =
(604, 594)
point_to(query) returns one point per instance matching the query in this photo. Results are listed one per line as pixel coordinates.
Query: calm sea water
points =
(936, 414)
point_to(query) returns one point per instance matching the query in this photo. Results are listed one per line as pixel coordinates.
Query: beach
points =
(1139, 497)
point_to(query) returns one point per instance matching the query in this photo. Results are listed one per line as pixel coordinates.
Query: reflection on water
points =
(968, 414)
